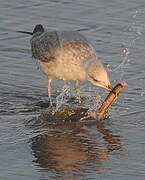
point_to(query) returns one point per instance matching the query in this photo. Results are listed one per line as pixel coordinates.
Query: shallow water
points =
(32, 144)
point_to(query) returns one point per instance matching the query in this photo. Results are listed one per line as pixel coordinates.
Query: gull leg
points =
(78, 91)
(49, 91)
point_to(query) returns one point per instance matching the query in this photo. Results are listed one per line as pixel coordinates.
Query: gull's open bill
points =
(109, 99)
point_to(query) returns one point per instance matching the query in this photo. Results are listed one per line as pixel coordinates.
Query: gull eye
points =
(94, 79)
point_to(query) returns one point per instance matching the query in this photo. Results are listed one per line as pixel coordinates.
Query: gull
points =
(67, 55)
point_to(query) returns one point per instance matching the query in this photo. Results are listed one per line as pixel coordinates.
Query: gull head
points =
(96, 74)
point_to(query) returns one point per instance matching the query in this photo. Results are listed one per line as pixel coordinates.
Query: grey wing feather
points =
(75, 46)
(44, 46)
(66, 36)
(48, 45)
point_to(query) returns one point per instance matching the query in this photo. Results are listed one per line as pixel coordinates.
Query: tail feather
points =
(25, 32)
(38, 28)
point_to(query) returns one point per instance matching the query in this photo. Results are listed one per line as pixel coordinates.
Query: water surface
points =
(32, 145)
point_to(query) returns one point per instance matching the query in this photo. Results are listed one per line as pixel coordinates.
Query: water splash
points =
(94, 105)
(62, 97)
(126, 53)
(142, 93)
(136, 27)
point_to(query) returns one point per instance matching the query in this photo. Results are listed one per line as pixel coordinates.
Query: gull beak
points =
(109, 87)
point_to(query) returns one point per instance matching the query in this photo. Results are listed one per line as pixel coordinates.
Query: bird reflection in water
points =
(69, 146)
